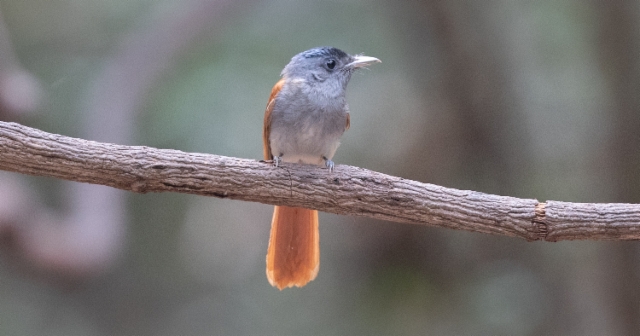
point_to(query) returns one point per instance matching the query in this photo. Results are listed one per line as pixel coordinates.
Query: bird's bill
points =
(361, 61)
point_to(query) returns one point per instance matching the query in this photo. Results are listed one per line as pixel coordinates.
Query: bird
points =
(305, 117)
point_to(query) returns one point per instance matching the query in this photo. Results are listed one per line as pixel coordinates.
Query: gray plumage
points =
(310, 112)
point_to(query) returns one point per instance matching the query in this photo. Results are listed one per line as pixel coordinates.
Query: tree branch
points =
(347, 191)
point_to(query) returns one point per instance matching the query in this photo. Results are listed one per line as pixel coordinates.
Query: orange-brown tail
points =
(293, 258)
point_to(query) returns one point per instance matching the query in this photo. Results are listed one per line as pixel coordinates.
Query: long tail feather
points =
(293, 257)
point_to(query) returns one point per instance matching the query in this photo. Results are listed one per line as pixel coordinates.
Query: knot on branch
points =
(540, 220)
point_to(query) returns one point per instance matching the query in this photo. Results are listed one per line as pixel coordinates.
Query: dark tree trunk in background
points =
(468, 139)
(476, 91)
(476, 108)
(619, 46)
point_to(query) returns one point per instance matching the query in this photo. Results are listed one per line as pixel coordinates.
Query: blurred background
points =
(532, 99)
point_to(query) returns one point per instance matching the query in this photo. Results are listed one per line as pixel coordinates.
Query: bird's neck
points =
(326, 95)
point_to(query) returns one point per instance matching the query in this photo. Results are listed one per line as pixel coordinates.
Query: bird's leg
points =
(277, 160)
(328, 163)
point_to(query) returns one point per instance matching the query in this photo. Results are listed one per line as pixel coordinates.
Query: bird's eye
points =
(331, 64)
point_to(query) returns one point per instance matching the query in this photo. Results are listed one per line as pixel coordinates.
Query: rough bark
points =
(347, 191)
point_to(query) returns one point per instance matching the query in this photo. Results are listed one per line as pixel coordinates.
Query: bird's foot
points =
(329, 164)
(276, 161)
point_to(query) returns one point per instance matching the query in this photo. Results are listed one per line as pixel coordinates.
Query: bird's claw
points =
(276, 161)
(330, 165)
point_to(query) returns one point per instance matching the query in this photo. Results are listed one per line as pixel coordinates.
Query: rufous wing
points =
(348, 125)
(266, 129)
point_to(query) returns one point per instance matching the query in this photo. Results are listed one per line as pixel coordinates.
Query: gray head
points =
(325, 68)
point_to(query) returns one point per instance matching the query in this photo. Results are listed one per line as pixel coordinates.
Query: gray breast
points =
(303, 130)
